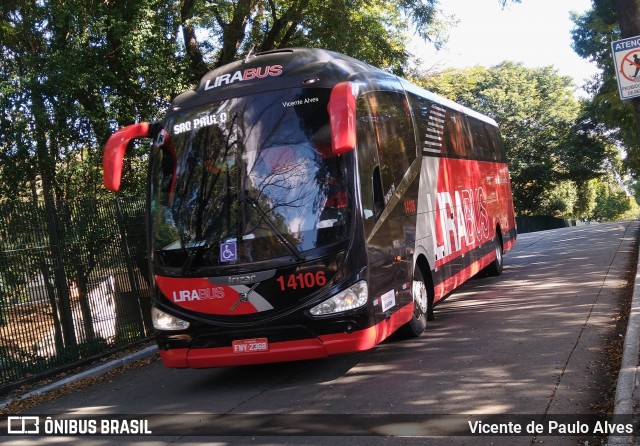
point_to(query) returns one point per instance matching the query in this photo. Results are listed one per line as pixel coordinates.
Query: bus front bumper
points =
(298, 350)
(294, 350)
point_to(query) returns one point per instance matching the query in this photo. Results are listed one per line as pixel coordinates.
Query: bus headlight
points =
(353, 297)
(164, 321)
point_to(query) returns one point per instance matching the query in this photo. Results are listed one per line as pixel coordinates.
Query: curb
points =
(628, 375)
(95, 371)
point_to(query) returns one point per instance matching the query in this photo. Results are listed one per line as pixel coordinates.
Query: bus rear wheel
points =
(495, 267)
(422, 306)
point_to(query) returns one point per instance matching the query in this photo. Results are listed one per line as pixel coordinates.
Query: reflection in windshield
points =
(258, 172)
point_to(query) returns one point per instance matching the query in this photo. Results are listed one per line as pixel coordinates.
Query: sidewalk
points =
(89, 373)
(627, 391)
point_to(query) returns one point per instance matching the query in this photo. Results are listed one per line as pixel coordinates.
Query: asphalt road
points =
(529, 346)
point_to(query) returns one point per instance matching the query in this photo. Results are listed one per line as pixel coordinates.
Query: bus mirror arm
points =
(115, 148)
(342, 117)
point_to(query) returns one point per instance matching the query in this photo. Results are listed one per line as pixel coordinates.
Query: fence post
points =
(129, 264)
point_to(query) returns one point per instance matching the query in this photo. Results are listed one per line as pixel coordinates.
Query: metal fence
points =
(534, 223)
(73, 284)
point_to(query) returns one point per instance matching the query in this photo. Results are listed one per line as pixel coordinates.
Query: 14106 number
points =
(302, 280)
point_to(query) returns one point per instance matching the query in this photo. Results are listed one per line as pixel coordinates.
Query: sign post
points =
(626, 57)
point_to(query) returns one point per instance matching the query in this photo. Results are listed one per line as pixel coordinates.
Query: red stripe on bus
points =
(320, 347)
(453, 282)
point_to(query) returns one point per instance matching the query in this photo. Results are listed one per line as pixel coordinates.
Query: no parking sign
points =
(626, 57)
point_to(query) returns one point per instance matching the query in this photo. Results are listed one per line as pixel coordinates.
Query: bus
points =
(303, 204)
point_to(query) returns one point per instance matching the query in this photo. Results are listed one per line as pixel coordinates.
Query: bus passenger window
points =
(481, 148)
(495, 144)
(456, 135)
(367, 156)
(395, 136)
(429, 119)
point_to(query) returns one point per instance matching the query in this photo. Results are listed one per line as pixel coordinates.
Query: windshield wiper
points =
(244, 197)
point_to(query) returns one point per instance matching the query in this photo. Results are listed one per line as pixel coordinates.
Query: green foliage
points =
(74, 71)
(374, 31)
(381, 22)
(560, 200)
(612, 202)
(586, 201)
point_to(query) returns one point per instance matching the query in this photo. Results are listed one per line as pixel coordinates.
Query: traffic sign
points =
(626, 57)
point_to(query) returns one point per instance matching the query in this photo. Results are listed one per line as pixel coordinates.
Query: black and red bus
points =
(302, 203)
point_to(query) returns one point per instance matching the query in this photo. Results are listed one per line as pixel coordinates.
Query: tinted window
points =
(457, 138)
(393, 127)
(367, 153)
(446, 132)
(482, 147)
(497, 148)
(429, 124)
(257, 172)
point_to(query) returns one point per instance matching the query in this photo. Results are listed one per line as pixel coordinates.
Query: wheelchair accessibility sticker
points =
(228, 252)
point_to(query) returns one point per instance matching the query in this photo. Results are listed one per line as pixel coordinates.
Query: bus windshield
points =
(246, 180)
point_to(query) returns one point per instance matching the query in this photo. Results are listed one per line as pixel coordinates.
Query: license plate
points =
(250, 345)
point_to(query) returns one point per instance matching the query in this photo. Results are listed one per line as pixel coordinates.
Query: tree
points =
(611, 201)
(375, 32)
(547, 138)
(72, 72)
(592, 36)
(560, 200)
(628, 12)
(586, 201)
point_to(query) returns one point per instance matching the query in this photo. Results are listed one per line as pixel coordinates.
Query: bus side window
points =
(367, 156)
(495, 143)
(429, 120)
(457, 139)
(395, 136)
(481, 146)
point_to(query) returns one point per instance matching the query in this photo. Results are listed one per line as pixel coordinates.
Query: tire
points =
(495, 268)
(423, 306)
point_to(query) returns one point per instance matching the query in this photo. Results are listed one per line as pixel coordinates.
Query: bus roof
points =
(412, 88)
(274, 70)
(297, 67)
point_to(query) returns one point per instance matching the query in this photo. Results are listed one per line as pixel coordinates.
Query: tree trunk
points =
(46, 168)
(193, 52)
(234, 32)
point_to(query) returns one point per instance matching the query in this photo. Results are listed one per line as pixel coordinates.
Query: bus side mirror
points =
(114, 151)
(342, 117)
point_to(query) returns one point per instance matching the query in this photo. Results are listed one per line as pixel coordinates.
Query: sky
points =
(534, 32)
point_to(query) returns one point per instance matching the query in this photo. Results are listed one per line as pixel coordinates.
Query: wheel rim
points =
(420, 297)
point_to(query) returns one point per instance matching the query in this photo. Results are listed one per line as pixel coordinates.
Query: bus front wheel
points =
(422, 306)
